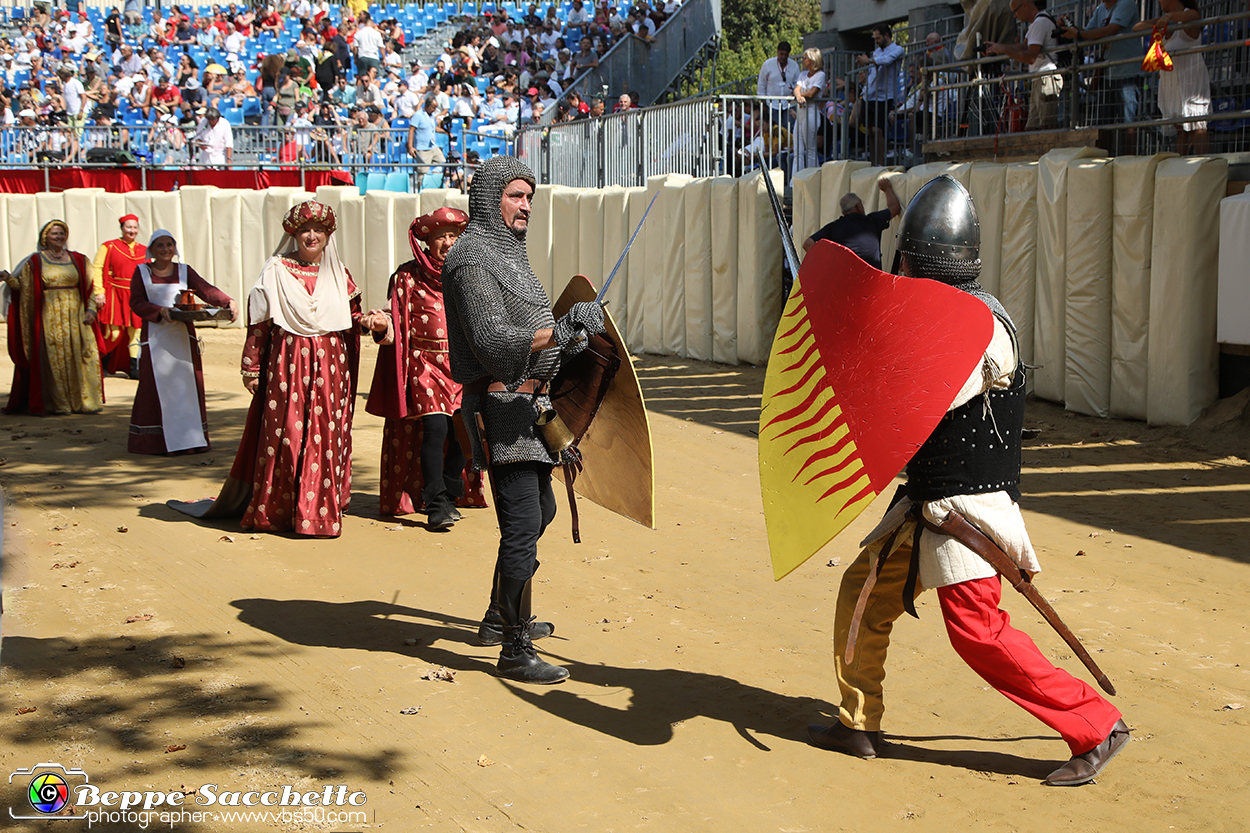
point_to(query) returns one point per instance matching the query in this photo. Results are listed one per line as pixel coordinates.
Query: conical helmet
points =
(940, 236)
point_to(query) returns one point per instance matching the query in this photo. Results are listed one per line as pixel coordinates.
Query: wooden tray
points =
(209, 314)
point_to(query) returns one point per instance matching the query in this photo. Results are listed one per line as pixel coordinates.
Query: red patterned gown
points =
(413, 378)
(296, 452)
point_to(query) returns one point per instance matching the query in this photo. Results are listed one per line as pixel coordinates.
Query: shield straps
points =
(913, 572)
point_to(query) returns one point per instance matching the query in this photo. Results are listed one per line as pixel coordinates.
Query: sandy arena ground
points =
(265, 660)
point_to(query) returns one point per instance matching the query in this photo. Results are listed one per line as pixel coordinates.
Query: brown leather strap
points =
(530, 386)
(861, 603)
(570, 474)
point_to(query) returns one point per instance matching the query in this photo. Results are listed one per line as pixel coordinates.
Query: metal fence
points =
(359, 151)
(941, 99)
(986, 97)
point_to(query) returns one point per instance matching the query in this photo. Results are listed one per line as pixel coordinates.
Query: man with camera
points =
(1037, 52)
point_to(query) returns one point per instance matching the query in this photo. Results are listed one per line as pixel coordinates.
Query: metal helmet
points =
(940, 236)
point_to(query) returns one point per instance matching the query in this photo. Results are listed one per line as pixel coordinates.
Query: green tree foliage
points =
(752, 28)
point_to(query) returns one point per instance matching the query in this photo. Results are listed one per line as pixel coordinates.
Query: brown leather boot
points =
(840, 738)
(1083, 768)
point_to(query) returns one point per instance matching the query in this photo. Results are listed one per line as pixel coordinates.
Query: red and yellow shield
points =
(863, 367)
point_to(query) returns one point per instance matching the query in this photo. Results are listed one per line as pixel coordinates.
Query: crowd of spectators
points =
(335, 80)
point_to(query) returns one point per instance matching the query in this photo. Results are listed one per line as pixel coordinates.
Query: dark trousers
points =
(524, 505)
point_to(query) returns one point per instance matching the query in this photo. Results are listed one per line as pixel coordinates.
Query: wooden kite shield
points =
(599, 398)
(862, 369)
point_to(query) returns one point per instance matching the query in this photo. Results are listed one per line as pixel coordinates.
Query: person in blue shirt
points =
(882, 87)
(421, 132)
(1120, 83)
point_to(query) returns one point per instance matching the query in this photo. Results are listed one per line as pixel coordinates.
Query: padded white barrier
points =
(805, 188)
(49, 207)
(759, 269)
(1049, 341)
(166, 214)
(23, 227)
(7, 260)
(1233, 323)
(672, 298)
(636, 286)
(435, 198)
(80, 209)
(698, 273)
(1087, 302)
(565, 239)
(109, 209)
(724, 222)
(616, 231)
(332, 195)
(920, 175)
(226, 236)
(657, 231)
(196, 244)
(1018, 275)
(1132, 223)
(353, 239)
(590, 223)
(277, 201)
(864, 183)
(458, 199)
(987, 183)
(537, 235)
(835, 183)
(380, 246)
(405, 209)
(255, 246)
(1184, 356)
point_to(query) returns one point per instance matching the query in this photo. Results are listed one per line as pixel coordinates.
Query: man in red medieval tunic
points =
(422, 460)
(111, 271)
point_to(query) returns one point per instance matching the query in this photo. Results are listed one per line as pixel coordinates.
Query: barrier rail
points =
(359, 151)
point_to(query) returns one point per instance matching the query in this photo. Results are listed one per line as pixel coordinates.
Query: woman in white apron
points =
(169, 415)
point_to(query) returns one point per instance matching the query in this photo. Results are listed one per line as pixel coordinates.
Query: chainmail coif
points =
(495, 304)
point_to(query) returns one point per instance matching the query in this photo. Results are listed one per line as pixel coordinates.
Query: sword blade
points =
(787, 240)
(604, 291)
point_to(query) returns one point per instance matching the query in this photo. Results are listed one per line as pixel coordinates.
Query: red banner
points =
(121, 180)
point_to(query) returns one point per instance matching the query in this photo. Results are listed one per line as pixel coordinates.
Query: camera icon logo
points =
(49, 790)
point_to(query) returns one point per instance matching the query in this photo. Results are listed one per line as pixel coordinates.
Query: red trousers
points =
(1008, 660)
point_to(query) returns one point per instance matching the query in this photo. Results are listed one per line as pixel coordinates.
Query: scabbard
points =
(958, 527)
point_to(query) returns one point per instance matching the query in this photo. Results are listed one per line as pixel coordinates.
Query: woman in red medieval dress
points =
(423, 463)
(169, 415)
(293, 468)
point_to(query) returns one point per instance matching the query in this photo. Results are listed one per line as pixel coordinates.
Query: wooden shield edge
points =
(620, 467)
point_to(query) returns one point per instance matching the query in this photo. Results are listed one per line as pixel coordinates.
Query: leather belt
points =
(531, 386)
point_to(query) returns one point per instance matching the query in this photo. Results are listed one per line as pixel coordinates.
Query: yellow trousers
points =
(860, 680)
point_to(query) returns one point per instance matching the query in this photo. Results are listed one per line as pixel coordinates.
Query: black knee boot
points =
(439, 510)
(490, 632)
(518, 660)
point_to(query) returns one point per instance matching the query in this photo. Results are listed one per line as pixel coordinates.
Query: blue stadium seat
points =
(469, 9)
(362, 182)
(375, 182)
(432, 179)
(1225, 105)
(398, 181)
(233, 115)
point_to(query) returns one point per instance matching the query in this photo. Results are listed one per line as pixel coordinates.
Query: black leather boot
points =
(454, 486)
(490, 632)
(518, 660)
(440, 513)
(134, 368)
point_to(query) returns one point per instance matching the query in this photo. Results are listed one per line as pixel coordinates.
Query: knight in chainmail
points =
(505, 347)
(970, 465)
